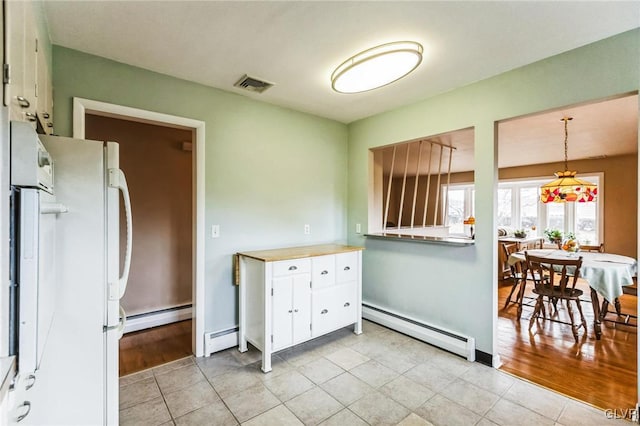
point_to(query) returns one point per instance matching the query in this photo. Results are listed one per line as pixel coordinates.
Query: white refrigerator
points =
(77, 381)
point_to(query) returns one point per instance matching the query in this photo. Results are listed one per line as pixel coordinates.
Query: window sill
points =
(449, 241)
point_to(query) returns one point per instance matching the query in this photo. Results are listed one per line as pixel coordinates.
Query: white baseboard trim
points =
(453, 342)
(155, 319)
(219, 341)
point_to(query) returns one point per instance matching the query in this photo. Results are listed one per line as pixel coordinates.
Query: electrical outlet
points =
(215, 231)
(358, 228)
(307, 229)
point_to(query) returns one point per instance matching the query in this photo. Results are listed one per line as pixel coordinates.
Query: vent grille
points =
(253, 84)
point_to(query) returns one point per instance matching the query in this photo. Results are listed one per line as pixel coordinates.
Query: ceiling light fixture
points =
(377, 67)
(567, 188)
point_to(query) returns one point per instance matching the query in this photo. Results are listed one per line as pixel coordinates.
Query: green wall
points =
(269, 170)
(454, 287)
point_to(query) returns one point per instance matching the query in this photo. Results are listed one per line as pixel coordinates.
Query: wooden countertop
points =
(299, 252)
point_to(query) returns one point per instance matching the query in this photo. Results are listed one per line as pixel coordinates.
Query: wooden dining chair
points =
(593, 249)
(516, 272)
(555, 279)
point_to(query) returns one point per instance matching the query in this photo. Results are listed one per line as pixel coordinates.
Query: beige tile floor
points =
(379, 378)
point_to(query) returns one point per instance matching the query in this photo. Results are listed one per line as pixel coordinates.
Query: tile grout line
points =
(214, 389)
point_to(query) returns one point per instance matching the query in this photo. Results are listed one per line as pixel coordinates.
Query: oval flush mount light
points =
(377, 67)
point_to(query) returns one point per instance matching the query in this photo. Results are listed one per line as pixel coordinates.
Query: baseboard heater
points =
(460, 345)
(220, 340)
(157, 318)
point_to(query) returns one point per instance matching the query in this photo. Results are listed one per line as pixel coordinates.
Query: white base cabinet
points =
(289, 296)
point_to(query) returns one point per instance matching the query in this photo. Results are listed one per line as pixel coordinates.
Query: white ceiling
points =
(297, 44)
(601, 129)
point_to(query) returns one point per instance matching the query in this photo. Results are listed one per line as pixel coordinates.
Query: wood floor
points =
(600, 372)
(155, 346)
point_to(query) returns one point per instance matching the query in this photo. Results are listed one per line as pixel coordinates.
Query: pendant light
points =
(567, 187)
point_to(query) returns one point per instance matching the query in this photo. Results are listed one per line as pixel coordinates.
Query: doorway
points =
(189, 144)
(603, 148)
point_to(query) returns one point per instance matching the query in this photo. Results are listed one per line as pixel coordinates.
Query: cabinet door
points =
(30, 61)
(15, 56)
(282, 299)
(301, 308)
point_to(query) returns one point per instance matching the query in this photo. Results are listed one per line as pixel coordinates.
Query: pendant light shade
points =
(567, 187)
(376, 67)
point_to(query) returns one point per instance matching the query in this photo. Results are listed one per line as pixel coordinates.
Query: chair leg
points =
(604, 309)
(574, 329)
(617, 305)
(584, 321)
(513, 288)
(523, 284)
(536, 311)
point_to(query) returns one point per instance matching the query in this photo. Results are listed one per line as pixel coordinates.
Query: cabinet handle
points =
(22, 416)
(324, 272)
(293, 268)
(346, 268)
(324, 311)
(295, 310)
(290, 311)
(45, 115)
(31, 377)
(346, 305)
(30, 116)
(23, 102)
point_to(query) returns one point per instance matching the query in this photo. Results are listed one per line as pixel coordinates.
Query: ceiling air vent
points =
(252, 84)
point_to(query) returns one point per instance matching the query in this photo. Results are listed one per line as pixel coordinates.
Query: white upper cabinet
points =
(27, 89)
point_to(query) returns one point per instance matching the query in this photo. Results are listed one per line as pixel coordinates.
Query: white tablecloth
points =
(606, 273)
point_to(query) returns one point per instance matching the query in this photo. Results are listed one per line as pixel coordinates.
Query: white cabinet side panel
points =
(254, 280)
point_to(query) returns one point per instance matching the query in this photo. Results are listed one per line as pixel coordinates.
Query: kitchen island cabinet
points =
(292, 295)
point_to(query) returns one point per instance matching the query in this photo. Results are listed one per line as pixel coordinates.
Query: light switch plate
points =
(358, 228)
(215, 231)
(307, 229)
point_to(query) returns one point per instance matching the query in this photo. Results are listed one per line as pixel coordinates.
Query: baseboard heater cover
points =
(157, 318)
(216, 341)
(464, 346)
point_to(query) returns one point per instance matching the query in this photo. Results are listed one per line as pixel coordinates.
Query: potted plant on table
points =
(554, 236)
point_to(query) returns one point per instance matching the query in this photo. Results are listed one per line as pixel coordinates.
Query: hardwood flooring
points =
(155, 346)
(600, 372)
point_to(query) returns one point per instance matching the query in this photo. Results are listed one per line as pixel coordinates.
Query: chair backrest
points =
(508, 249)
(553, 275)
(595, 249)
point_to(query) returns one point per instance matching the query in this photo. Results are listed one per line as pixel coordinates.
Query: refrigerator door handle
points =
(121, 323)
(118, 180)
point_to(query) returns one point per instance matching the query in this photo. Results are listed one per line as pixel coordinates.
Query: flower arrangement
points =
(554, 236)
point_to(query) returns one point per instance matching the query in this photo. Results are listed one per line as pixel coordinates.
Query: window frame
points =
(529, 182)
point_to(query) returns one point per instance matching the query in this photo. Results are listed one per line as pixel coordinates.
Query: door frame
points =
(83, 106)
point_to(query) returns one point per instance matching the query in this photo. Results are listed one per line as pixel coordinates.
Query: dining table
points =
(606, 273)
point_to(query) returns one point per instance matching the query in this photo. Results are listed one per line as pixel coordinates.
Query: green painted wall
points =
(454, 287)
(269, 170)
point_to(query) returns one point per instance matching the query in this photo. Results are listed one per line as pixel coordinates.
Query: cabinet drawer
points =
(293, 266)
(346, 304)
(323, 271)
(347, 267)
(333, 307)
